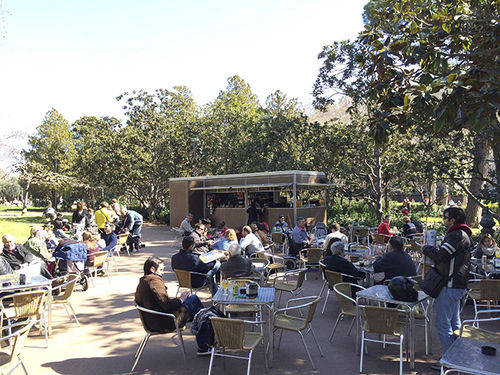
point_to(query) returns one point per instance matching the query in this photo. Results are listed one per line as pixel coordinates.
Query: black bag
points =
(401, 289)
(433, 282)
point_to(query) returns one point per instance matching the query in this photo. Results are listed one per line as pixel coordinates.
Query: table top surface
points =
(265, 297)
(381, 293)
(36, 282)
(465, 354)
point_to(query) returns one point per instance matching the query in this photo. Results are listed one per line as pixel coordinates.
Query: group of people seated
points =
(409, 230)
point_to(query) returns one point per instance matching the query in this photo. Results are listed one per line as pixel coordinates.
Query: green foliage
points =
(10, 189)
(162, 214)
(347, 214)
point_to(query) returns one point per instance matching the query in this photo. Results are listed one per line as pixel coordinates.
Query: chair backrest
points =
(67, 287)
(363, 232)
(229, 333)
(312, 309)
(19, 338)
(141, 310)
(415, 247)
(333, 278)
(29, 304)
(379, 239)
(278, 238)
(301, 277)
(314, 254)
(183, 278)
(122, 239)
(489, 289)
(381, 320)
(344, 299)
(100, 258)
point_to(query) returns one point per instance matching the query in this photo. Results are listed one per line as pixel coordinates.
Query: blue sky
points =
(77, 56)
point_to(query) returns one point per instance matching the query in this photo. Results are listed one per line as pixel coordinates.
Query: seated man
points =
(187, 261)
(409, 229)
(335, 233)
(338, 263)
(17, 256)
(132, 224)
(151, 293)
(109, 236)
(237, 265)
(186, 225)
(249, 242)
(200, 243)
(299, 237)
(384, 229)
(396, 262)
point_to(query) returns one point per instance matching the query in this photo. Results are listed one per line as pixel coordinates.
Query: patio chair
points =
(382, 321)
(122, 243)
(331, 278)
(469, 331)
(10, 361)
(101, 263)
(240, 308)
(485, 296)
(284, 321)
(66, 289)
(284, 283)
(141, 310)
(347, 304)
(231, 334)
(310, 257)
(262, 264)
(184, 281)
(280, 241)
(276, 266)
(26, 305)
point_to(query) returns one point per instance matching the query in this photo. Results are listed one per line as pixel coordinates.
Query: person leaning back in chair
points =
(151, 293)
(452, 258)
(396, 262)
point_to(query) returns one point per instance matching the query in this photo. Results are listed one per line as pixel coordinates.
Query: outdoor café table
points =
(265, 297)
(488, 270)
(465, 355)
(37, 282)
(380, 293)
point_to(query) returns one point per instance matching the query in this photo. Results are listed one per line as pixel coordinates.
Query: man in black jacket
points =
(17, 255)
(187, 261)
(237, 265)
(200, 243)
(452, 260)
(396, 262)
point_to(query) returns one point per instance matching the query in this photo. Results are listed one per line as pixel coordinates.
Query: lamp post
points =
(195, 143)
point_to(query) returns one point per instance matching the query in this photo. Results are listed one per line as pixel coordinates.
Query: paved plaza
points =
(110, 332)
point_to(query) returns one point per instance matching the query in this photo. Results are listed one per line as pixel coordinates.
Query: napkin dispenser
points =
(252, 289)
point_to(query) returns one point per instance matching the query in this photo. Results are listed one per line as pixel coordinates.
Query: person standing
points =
(103, 215)
(132, 224)
(452, 259)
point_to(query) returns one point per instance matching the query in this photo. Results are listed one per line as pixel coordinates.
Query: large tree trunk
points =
(496, 156)
(53, 198)
(25, 197)
(480, 153)
(378, 186)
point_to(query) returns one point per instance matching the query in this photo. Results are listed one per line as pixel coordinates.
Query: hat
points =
(279, 217)
(300, 218)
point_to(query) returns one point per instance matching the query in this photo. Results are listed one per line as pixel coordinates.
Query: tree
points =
(10, 189)
(155, 142)
(52, 147)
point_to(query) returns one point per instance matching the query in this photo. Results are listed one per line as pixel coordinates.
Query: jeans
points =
(448, 315)
(204, 336)
(135, 235)
(211, 278)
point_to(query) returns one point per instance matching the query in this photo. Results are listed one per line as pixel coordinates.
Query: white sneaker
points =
(135, 251)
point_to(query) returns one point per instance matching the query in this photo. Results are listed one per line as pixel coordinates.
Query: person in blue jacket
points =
(132, 224)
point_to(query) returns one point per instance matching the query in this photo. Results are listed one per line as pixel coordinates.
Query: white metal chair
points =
(382, 321)
(346, 303)
(66, 289)
(10, 361)
(285, 321)
(291, 282)
(231, 334)
(141, 310)
(101, 263)
(184, 281)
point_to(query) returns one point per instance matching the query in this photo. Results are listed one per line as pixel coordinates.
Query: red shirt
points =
(385, 230)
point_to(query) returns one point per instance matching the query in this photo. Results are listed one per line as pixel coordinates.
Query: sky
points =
(77, 56)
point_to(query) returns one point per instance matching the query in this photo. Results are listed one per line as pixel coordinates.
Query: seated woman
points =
(261, 235)
(228, 240)
(37, 245)
(90, 240)
(337, 263)
(486, 247)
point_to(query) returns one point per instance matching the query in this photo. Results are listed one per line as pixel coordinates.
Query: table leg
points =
(49, 318)
(271, 336)
(357, 326)
(412, 338)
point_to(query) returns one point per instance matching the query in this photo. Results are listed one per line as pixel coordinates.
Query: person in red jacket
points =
(384, 229)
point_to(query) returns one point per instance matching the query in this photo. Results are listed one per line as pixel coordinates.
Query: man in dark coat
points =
(200, 243)
(16, 255)
(186, 260)
(151, 293)
(237, 265)
(337, 263)
(396, 262)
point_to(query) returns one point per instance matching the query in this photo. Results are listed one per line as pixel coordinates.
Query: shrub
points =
(162, 215)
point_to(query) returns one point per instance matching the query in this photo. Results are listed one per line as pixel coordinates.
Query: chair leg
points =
(401, 355)
(335, 327)
(362, 351)
(307, 350)
(140, 350)
(350, 328)
(326, 300)
(279, 341)
(140, 346)
(22, 365)
(249, 362)
(177, 293)
(211, 361)
(73, 312)
(316, 340)
(183, 348)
